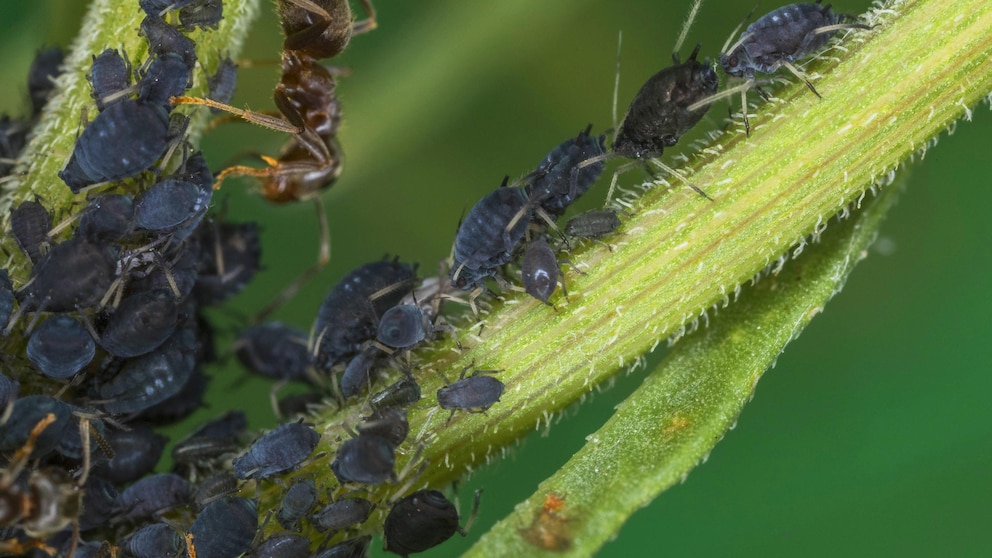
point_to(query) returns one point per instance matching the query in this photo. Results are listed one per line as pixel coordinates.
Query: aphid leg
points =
(799, 74)
(616, 174)
(840, 26)
(259, 118)
(274, 398)
(747, 123)
(84, 436)
(463, 531)
(679, 175)
(323, 257)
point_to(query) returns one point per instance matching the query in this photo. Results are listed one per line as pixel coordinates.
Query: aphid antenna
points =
(724, 48)
(799, 74)
(598, 158)
(616, 79)
(693, 11)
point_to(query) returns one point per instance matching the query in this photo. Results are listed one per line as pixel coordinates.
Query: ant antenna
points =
(685, 26)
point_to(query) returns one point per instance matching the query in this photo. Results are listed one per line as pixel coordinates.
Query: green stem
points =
(890, 92)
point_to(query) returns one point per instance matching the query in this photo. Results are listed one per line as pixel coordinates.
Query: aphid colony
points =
(111, 311)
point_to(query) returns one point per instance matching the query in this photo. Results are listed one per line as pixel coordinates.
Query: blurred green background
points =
(872, 436)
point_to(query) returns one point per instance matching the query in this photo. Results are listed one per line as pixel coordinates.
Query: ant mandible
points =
(305, 96)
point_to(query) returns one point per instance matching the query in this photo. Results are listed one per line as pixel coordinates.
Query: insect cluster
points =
(115, 341)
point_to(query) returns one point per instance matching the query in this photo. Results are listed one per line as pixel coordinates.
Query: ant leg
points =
(242, 170)
(360, 26)
(312, 7)
(323, 258)
(799, 74)
(259, 118)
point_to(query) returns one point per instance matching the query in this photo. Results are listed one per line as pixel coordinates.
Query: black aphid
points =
(6, 298)
(167, 76)
(389, 423)
(45, 67)
(365, 459)
(475, 393)
(274, 350)
(30, 223)
(110, 76)
(558, 180)
(99, 496)
(404, 392)
(287, 545)
(215, 487)
(229, 258)
(141, 323)
(9, 390)
(151, 496)
(596, 223)
(214, 439)
(357, 375)
(351, 548)
(779, 38)
(166, 205)
(136, 452)
(107, 219)
(277, 451)
(163, 38)
(342, 514)
(489, 236)
(348, 316)
(157, 540)
(225, 528)
(540, 271)
(298, 501)
(29, 411)
(60, 347)
(200, 14)
(74, 275)
(13, 138)
(403, 326)
(150, 379)
(124, 140)
(422, 521)
(223, 82)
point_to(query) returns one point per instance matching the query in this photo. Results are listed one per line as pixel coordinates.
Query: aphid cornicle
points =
(780, 38)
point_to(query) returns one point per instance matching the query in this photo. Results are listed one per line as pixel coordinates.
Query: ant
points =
(305, 96)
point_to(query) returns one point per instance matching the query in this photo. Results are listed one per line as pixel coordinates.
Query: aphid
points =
(180, 405)
(157, 540)
(28, 412)
(229, 259)
(540, 271)
(6, 298)
(342, 514)
(166, 205)
(225, 528)
(9, 390)
(357, 374)
(403, 326)
(286, 545)
(475, 393)
(201, 14)
(559, 180)
(152, 495)
(274, 350)
(166, 76)
(278, 451)
(136, 451)
(60, 347)
(351, 548)
(163, 38)
(212, 440)
(124, 140)
(30, 223)
(140, 324)
(404, 392)
(215, 487)
(779, 38)
(298, 501)
(365, 459)
(595, 223)
(298, 403)
(388, 423)
(158, 8)
(43, 504)
(348, 316)
(107, 219)
(422, 521)
(110, 76)
(98, 500)
(223, 82)
(74, 275)
(489, 236)
(151, 378)
(45, 67)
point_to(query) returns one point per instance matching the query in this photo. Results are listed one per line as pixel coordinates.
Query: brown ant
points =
(305, 96)
(47, 503)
